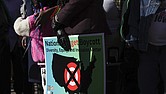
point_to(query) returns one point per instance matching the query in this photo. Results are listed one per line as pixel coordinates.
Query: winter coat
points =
(83, 16)
(136, 22)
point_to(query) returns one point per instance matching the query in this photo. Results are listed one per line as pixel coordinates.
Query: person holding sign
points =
(77, 17)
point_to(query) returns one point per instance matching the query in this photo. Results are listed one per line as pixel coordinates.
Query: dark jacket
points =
(83, 16)
(136, 26)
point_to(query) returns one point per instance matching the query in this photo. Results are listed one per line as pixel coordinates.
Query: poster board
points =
(78, 71)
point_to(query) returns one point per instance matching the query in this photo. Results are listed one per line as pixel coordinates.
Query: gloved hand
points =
(63, 39)
(62, 36)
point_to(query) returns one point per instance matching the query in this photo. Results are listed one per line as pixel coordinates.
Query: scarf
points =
(148, 7)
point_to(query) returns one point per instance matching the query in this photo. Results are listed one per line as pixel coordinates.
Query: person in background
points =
(5, 64)
(112, 15)
(113, 20)
(24, 26)
(146, 33)
(18, 59)
(152, 66)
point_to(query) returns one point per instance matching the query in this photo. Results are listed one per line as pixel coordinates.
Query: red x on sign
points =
(72, 76)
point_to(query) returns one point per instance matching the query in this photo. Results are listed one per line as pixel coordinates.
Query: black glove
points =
(63, 40)
(62, 36)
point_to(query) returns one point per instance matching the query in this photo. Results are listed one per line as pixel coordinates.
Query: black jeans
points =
(152, 68)
(5, 67)
(20, 71)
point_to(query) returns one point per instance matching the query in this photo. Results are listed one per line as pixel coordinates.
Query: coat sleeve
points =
(134, 17)
(71, 9)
